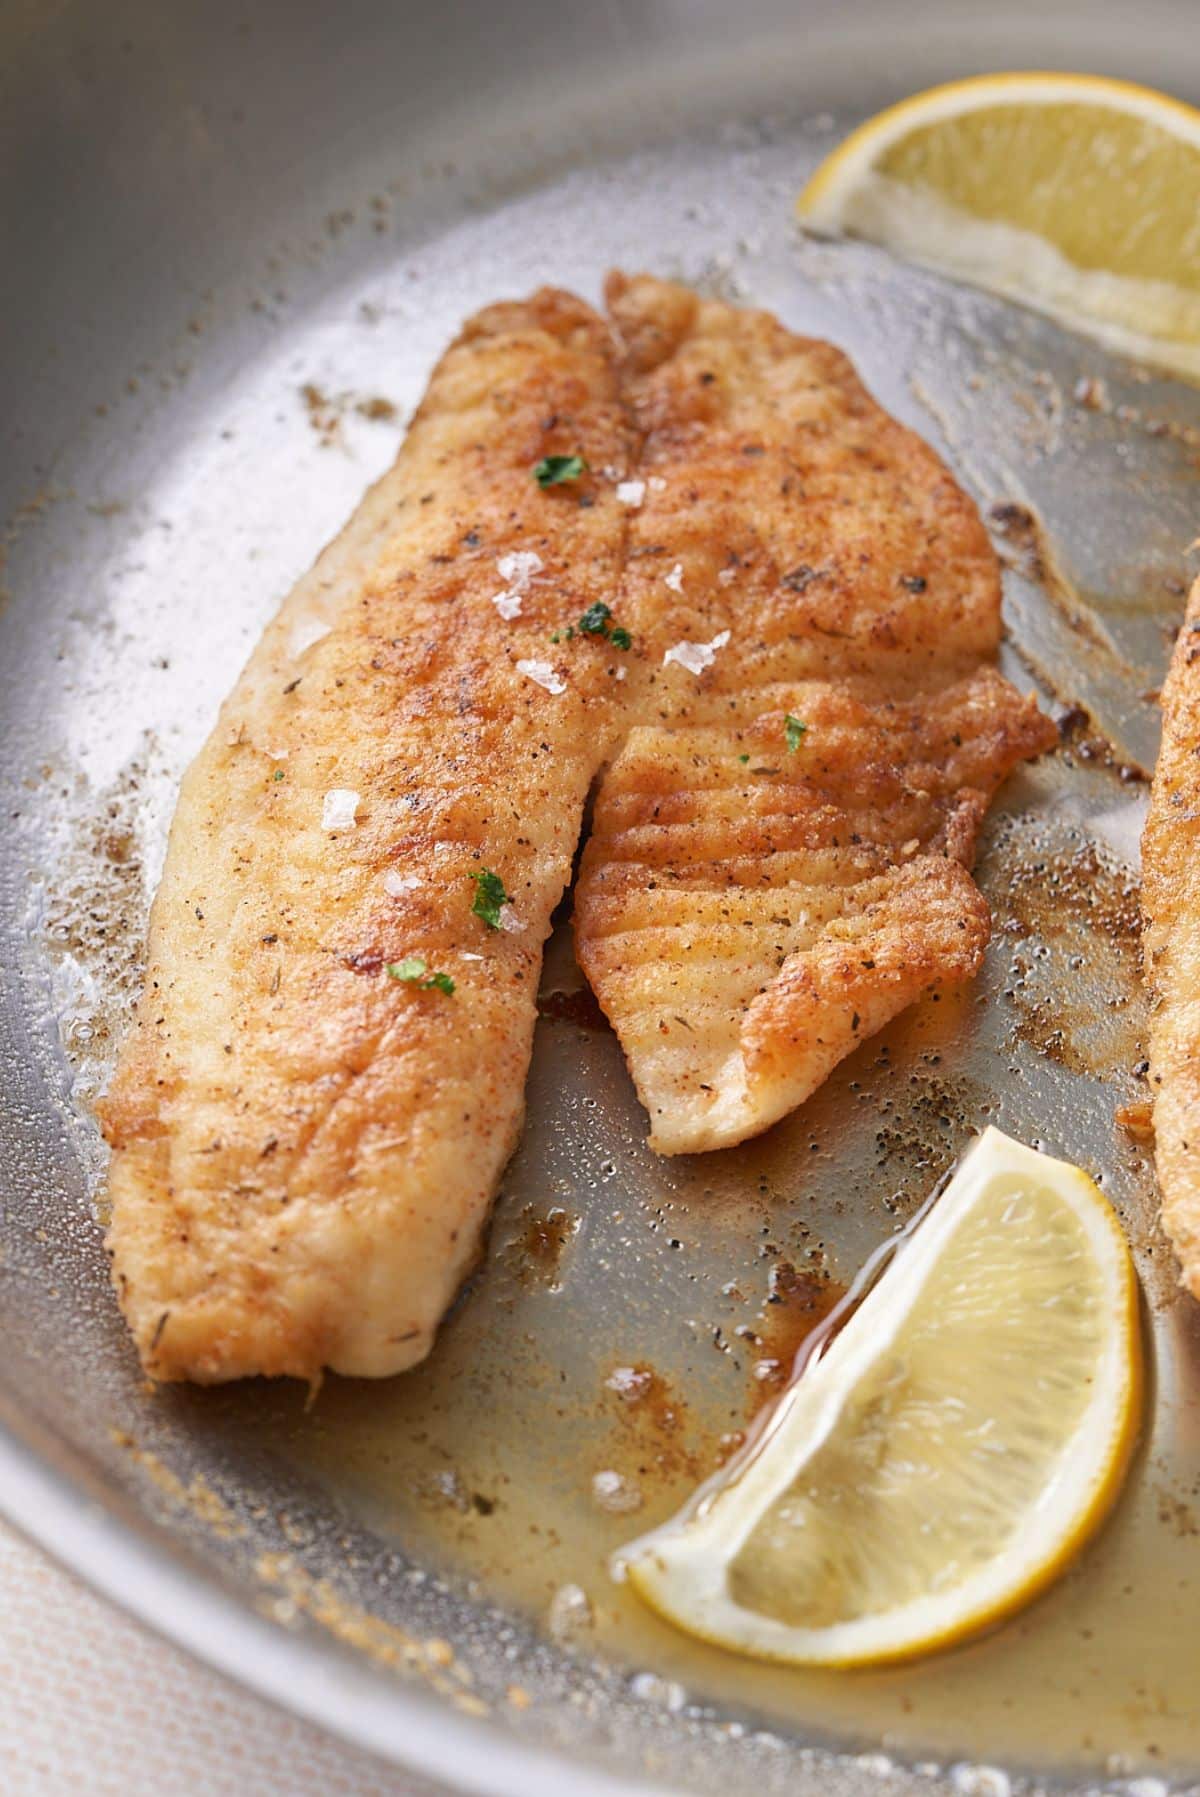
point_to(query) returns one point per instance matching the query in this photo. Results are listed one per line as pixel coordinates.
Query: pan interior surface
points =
(200, 397)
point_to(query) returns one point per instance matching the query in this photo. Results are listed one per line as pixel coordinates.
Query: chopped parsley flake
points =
(412, 971)
(490, 897)
(743, 757)
(556, 636)
(554, 470)
(794, 731)
(597, 621)
(594, 621)
(278, 774)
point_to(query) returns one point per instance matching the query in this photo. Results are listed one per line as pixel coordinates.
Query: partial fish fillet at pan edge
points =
(1171, 944)
(780, 854)
(306, 1146)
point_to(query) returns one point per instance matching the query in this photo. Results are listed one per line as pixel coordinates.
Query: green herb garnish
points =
(554, 470)
(594, 621)
(490, 896)
(412, 971)
(597, 621)
(793, 730)
(743, 757)
(278, 774)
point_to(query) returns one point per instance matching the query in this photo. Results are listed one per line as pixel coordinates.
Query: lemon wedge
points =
(1073, 193)
(961, 1438)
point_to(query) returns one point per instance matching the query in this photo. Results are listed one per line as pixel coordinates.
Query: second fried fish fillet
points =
(1171, 942)
(779, 857)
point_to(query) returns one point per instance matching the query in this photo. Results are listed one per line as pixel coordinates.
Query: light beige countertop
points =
(93, 1705)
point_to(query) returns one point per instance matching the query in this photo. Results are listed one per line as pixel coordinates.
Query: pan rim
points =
(144, 1579)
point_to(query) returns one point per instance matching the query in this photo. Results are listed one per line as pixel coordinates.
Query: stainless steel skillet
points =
(230, 246)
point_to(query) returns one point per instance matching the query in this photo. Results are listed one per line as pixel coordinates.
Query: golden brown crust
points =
(822, 533)
(921, 926)
(304, 1147)
(1171, 943)
(748, 911)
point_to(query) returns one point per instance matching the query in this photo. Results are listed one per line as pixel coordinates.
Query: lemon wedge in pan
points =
(1077, 194)
(959, 1441)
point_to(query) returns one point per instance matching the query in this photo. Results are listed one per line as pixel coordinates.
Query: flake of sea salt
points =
(519, 567)
(695, 657)
(397, 883)
(542, 673)
(339, 808)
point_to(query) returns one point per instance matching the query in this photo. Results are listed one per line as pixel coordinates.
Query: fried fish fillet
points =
(326, 1072)
(1171, 943)
(779, 857)
(306, 1145)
